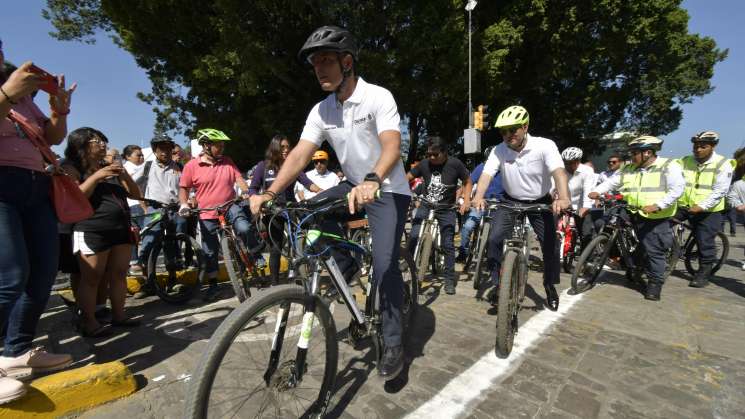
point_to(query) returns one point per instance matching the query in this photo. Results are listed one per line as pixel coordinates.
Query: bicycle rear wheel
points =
(424, 255)
(721, 243)
(169, 272)
(481, 270)
(240, 277)
(507, 304)
(590, 264)
(234, 377)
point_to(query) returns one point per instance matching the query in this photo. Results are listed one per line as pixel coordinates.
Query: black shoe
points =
(492, 295)
(392, 362)
(702, 277)
(145, 291)
(653, 291)
(212, 293)
(552, 297)
(102, 313)
(461, 258)
(449, 288)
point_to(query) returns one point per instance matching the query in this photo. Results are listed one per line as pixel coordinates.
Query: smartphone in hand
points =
(50, 82)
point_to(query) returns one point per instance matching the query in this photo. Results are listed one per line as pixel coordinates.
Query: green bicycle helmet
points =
(514, 115)
(211, 135)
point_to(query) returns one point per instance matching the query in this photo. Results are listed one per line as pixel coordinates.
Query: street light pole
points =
(469, 7)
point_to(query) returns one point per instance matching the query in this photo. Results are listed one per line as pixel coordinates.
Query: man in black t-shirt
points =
(441, 174)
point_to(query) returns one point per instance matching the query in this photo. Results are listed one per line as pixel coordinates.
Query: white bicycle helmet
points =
(571, 154)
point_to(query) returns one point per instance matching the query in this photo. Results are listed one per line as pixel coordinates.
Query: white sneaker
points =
(10, 389)
(36, 360)
(743, 265)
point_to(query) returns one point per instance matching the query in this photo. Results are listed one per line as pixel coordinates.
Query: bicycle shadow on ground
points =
(618, 279)
(732, 285)
(351, 378)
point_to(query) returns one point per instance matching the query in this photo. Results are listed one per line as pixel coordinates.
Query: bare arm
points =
(242, 185)
(291, 168)
(561, 180)
(89, 185)
(390, 142)
(481, 187)
(130, 186)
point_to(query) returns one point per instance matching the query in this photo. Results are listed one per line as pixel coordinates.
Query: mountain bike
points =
(171, 255)
(514, 274)
(240, 261)
(618, 233)
(481, 272)
(276, 354)
(688, 248)
(428, 251)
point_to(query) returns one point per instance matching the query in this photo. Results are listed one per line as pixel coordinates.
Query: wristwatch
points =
(372, 177)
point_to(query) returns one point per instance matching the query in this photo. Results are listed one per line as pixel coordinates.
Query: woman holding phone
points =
(28, 224)
(103, 242)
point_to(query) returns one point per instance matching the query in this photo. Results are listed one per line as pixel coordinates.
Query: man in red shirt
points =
(213, 176)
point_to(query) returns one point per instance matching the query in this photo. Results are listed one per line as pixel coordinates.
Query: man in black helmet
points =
(361, 122)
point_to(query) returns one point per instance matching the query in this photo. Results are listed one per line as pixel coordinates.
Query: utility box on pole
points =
(471, 141)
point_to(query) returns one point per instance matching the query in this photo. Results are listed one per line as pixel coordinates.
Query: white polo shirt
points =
(324, 181)
(525, 175)
(352, 129)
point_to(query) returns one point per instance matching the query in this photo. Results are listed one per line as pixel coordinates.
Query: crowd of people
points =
(705, 188)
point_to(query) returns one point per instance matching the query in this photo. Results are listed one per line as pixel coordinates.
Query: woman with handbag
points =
(28, 224)
(103, 242)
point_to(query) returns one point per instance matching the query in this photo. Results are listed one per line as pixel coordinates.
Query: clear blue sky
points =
(108, 77)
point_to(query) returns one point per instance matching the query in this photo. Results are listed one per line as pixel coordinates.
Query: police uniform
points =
(661, 184)
(707, 184)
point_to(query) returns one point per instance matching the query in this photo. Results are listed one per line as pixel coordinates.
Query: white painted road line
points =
(464, 392)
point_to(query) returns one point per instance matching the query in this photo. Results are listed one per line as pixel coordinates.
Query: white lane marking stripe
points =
(464, 392)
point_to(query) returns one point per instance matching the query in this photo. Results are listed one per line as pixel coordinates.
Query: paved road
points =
(611, 355)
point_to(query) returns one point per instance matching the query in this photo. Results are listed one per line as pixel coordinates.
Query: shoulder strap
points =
(34, 135)
(146, 176)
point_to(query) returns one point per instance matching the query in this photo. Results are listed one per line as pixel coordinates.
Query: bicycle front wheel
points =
(252, 366)
(481, 271)
(692, 254)
(237, 271)
(425, 254)
(171, 273)
(591, 263)
(507, 304)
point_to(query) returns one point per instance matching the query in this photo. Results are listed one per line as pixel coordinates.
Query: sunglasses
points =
(435, 154)
(613, 161)
(509, 130)
(319, 161)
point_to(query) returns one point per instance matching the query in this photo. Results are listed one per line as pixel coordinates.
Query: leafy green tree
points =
(583, 68)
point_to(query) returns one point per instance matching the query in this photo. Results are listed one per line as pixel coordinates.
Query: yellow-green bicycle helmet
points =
(211, 134)
(514, 115)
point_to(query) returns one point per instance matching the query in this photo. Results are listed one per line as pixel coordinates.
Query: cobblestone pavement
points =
(613, 355)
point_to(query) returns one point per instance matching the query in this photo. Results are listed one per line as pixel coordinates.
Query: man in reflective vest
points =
(708, 176)
(651, 185)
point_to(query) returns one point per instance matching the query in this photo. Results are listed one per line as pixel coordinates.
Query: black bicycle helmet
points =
(328, 38)
(161, 139)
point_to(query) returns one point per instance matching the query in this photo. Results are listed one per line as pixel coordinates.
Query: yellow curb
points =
(134, 283)
(72, 391)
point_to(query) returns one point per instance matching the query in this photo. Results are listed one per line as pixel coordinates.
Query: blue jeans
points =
(148, 242)
(472, 220)
(28, 256)
(240, 219)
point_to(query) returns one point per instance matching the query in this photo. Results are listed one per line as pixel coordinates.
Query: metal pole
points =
(470, 104)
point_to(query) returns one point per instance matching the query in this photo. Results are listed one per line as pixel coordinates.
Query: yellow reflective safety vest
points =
(700, 180)
(642, 188)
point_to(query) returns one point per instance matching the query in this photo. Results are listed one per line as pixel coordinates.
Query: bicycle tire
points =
(481, 258)
(411, 284)
(424, 255)
(691, 254)
(601, 242)
(362, 237)
(203, 379)
(237, 272)
(169, 292)
(673, 257)
(507, 303)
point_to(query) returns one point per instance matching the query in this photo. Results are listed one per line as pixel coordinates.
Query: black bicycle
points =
(688, 248)
(172, 256)
(618, 233)
(428, 252)
(478, 256)
(276, 354)
(514, 274)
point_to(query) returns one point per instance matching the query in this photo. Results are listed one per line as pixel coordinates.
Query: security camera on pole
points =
(471, 135)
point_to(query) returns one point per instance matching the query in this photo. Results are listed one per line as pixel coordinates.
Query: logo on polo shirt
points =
(364, 119)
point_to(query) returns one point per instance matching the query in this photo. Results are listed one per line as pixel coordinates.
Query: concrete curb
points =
(72, 391)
